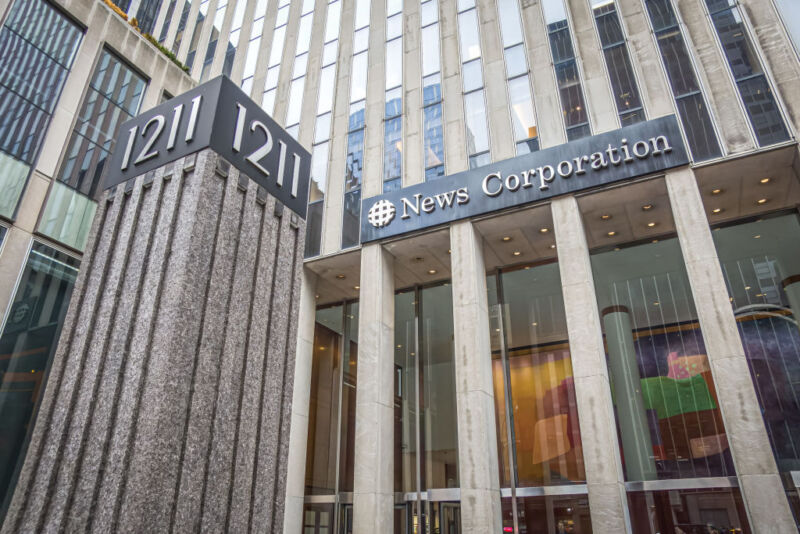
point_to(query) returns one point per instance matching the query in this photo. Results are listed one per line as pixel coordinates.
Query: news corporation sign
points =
(638, 150)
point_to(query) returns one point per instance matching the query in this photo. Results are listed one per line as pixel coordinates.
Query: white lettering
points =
(462, 195)
(545, 180)
(645, 149)
(512, 182)
(485, 184)
(428, 204)
(445, 200)
(665, 148)
(414, 207)
(567, 173)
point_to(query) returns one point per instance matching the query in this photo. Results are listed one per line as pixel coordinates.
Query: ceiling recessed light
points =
(356, 287)
(496, 329)
(449, 251)
(516, 253)
(761, 295)
(716, 191)
(747, 288)
(764, 180)
(651, 224)
(616, 249)
(321, 347)
(507, 238)
(757, 237)
(647, 207)
(552, 246)
(656, 303)
(527, 267)
(340, 277)
(655, 240)
(716, 210)
(534, 324)
(431, 271)
(611, 234)
(544, 230)
(316, 296)
(399, 346)
(762, 201)
(605, 216)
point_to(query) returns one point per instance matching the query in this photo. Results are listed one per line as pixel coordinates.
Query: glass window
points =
(554, 11)
(522, 115)
(167, 19)
(176, 45)
(516, 63)
(362, 13)
(316, 197)
(333, 392)
(295, 101)
(3, 232)
(358, 83)
(394, 26)
(300, 65)
(434, 136)
(211, 49)
(322, 130)
(276, 53)
(39, 45)
(468, 34)
(327, 84)
(425, 396)
(393, 149)
(351, 218)
(429, 12)
(545, 515)
(67, 216)
(479, 160)
(394, 102)
(754, 90)
(510, 26)
(432, 89)
(361, 40)
(234, 36)
(694, 510)
(114, 96)
(304, 33)
(532, 374)
(202, 15)
(473, 79)
(430, 49)
(332, 22)
(282, 16)
(329, 52)
(477, 131)
(394, 57)
(692, 109)
(790, 13)
(571, 93)
(28, 343)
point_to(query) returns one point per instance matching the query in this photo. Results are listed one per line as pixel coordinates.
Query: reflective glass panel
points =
(429, 12)
(394, 26)
(468, 35)
(406, 406)
(477, 131)
(532, 374)
(430, 49)
(549, 515)
(393, 148)
(699, 510)
(358, 83)
(28, 343)
(332, 22)
(471, 72)
(67, 216)
(516, 63)
(394, 59)
(790, 14)
(510, 26)
(434, 136)
(522, 116)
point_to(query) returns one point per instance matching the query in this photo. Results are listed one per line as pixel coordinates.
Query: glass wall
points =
(549, 515)
(754, 90)
(275, 57)
(253, 46)
(790, 14)
(432, 123)
(539, 441)
(299, 69)
(27, 346)
(568, 79)
(692, 109)
(761, 264)
(330, 450)
(618, 62)
(426, 431)
(39, 45)
(211, 49)
(234, 36)
(67, 216)
(202, 15)
(113, 97)
(176, 44)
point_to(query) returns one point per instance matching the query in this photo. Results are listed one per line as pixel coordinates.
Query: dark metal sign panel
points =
(637, 150)
(220, 116)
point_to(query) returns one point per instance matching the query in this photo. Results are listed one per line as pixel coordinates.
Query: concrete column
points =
(413, 151)
(455, 143)
(636, 443)
(601, 457)
(372, 175)
(477, 434)
(168, 403)
(752, 455)
(373, 485)
(298, 435)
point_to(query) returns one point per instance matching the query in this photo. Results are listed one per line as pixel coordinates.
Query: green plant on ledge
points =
(135, 25)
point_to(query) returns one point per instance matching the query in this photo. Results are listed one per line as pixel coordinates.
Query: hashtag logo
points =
(381, 213)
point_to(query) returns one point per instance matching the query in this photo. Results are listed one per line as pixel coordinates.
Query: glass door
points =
(317, 519)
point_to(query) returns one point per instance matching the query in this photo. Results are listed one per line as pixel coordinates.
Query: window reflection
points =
(688, 511)
(548, 515)
(533, 378)
(426, 432)
(27, 346)
(665, 398)
(39, 45)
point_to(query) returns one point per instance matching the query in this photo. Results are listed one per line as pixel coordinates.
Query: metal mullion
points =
(510, 435)
(339, 420)
(417, 379)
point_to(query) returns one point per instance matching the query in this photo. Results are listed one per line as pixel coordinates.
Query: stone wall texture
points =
(168, 403)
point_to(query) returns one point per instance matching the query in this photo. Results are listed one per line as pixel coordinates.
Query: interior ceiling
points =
(338, 277)
(421, 259)
(518, 237)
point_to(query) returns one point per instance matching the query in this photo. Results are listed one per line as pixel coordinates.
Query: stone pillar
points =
(168, 401)
(759, 481)
(636, 441)
(604, 479)
(298, 434)
(373, 484)
(477, 431)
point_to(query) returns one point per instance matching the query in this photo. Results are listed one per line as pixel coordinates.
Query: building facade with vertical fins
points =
(607, 340)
